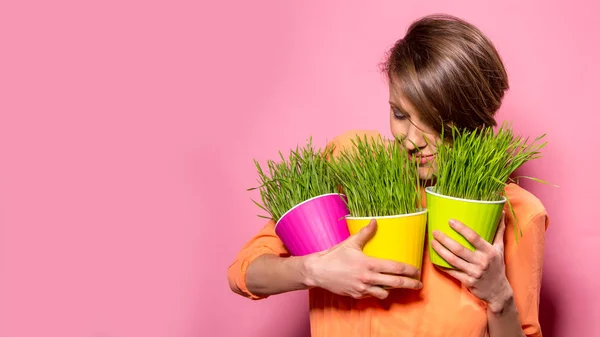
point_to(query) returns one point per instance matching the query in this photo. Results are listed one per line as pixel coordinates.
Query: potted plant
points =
(382, 182)
(472, 171)
(301, 195)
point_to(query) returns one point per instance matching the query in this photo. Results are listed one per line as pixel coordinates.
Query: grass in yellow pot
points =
(472, 171)
(382, 182)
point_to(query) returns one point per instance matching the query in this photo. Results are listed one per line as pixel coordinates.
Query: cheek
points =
(397, 127)
(432, 148)
(432, 141)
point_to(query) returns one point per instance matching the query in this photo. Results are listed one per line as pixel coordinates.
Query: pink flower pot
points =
(314, 225)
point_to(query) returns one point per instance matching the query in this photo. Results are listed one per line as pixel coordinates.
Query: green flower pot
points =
(481, 216)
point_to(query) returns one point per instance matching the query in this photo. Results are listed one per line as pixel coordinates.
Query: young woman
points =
(443, 72)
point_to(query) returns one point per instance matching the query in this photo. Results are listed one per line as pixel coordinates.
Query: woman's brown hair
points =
(449, 71)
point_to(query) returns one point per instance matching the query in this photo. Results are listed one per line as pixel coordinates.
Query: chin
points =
(426, 173)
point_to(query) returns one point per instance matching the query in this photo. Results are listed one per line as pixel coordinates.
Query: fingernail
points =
(420, 285)
(436, 233)
(453, 223)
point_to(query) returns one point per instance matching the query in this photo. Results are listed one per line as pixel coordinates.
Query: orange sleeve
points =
(265, 242)
(524, 272)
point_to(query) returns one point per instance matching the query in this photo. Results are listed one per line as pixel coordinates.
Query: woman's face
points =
(418, 138)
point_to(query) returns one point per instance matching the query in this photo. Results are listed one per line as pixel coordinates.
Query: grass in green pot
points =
(473, 169)
(477, 164)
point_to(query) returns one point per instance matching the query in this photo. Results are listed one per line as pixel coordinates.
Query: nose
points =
(414, 140)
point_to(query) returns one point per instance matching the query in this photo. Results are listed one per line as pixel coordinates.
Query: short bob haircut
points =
(449, 71)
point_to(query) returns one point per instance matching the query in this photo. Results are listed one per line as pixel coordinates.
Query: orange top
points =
(443, 307)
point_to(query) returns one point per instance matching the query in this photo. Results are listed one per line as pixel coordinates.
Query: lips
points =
(421, 159)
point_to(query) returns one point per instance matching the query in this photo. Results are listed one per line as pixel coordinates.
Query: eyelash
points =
(399, 115)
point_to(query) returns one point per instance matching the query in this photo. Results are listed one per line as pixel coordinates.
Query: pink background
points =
(128, 130)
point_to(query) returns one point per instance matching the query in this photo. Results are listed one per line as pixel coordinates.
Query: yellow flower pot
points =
(399, 237)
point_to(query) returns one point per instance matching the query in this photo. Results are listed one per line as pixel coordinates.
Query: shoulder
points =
(344, 140)
(525, 205)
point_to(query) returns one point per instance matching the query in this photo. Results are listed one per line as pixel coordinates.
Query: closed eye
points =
(399, 114)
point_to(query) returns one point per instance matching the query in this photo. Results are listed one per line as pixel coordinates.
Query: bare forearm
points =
(270, 274)
(503, 319)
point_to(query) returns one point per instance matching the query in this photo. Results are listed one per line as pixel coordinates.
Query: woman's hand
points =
(482, 271)
(345, 270)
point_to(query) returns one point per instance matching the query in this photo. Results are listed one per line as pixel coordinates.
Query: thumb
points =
(365, 234)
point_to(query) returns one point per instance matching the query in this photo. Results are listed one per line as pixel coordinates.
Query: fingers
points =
(450, 257)
(364, 234)
(393, 267)
(455, 247)
(374, 284)
(471, 236)
(378, 292)
(499, 239)
(393, 281)
(459, 275)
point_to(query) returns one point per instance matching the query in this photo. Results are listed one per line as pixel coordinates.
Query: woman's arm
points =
(343, 270)
(511, 288)
(484, 273)
(504, 321)
(271, 274)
